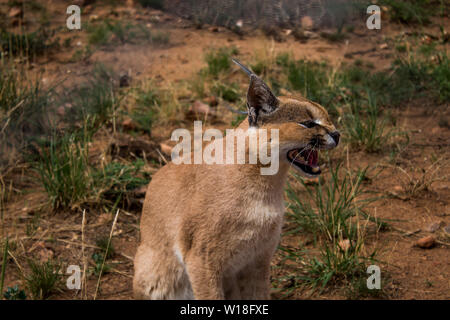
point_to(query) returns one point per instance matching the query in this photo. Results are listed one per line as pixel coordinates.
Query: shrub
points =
(31, 44)
(63, 171)
(24, 113)
(43, 279)
(330, 213)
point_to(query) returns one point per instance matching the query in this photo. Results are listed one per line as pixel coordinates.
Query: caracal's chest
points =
(261, 234)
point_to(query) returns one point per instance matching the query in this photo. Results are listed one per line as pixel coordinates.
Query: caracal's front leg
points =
(206, 279)
(231, 288)
(254, 280)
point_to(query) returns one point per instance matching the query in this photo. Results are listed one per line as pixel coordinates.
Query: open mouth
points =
(305, 159)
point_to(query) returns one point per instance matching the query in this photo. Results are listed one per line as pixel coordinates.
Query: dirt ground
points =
(413, 272)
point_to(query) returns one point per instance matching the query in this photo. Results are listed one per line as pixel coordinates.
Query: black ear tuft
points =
(260, 99)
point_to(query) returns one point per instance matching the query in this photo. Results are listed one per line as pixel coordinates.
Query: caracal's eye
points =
(308, 124)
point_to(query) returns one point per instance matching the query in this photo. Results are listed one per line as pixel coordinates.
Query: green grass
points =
(358, 288)
(364, 129)
(115, 182)
(237, 119)
(315, 81)
(43, 279)
(24, 113)
(337, 36)
(4, 262)
(95, 101)
(71, 182)
(227, 92)
(336, 266)
(219, 60)
(358, 96)
(102, 243)
(441, 79)
(30, 44)
(145, 110)
(14, 293)
(158, 37)
(110, 32)
(98, 34)
(329, 207)
(307, 77)
(101, 256)
(63, 170)
(414, 76)
(409, 11)
(330, 213)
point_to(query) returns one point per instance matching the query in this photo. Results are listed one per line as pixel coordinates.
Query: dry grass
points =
(420, 180)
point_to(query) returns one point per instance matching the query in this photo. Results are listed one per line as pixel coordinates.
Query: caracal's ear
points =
(260, 99)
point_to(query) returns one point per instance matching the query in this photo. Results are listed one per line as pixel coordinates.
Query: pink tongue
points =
(312, 158)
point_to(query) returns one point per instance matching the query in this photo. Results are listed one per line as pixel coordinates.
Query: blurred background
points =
(86, 118)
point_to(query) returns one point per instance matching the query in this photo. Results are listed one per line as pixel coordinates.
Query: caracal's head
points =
(304, 126)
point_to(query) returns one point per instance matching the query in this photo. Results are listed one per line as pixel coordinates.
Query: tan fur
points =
(210, 231)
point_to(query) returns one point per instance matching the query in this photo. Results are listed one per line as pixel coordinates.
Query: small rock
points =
(124, 80)
(128, 124)
(200, 108)
(397, 188)
(433, 227)
(426, 242)
(307, 22)
(239, 23)
(212, 101)
(165, 148)
(15, 12)
(93, 18)
(104, 218)
(140, 192)
(383, 46)
(45, 254)
(427, 39)
(310, 34)
(410, 233)
(344, 244)
(155, 19)
(61, 111)
(435, 130)
(447, 229)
